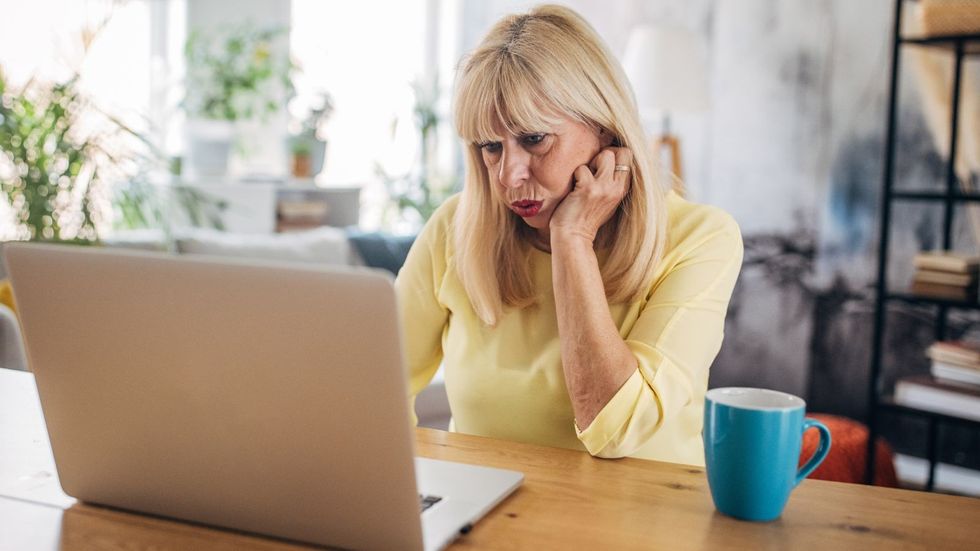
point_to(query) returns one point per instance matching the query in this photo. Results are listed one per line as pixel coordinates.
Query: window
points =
(365, 55)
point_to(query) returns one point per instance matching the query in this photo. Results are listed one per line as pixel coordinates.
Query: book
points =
(956, 373)
(302, 210)
(962, 353)
(945, 261)
(926, 393)
(948, 292)
(945, 17)
(946, 278)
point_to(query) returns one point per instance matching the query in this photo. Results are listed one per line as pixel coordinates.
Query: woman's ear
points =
(607, 139)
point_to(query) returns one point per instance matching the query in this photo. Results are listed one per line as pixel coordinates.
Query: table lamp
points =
(666, 67)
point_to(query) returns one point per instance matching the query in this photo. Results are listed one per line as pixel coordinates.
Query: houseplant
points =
(301, 149)
(415, 195)
(307, 144)
(51, 170)
(233, 74)
(67, 168)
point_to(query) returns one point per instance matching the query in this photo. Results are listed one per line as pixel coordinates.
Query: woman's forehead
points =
(505, 125)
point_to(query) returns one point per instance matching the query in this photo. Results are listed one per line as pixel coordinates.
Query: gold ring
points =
(621, 168)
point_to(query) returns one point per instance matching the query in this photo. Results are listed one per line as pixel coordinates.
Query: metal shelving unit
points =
(959, 46)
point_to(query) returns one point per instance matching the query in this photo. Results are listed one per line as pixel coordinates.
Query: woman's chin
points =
(538, 221)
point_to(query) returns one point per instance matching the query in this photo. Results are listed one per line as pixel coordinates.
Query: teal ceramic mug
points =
(752, 443)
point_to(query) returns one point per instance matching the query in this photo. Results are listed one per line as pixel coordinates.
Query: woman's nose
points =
(514, 171)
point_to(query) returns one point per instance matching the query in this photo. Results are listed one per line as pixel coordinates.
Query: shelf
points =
(919, 299)
(971, 42)
(888, 402)
(913, 195)
(959, 46)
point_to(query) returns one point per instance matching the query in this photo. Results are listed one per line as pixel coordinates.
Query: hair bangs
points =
(476, 98)
(523, 106)
(502, 94)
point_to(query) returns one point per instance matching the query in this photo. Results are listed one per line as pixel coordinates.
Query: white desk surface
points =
(27, 468)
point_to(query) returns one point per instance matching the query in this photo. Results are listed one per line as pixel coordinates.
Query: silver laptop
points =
(266, 398)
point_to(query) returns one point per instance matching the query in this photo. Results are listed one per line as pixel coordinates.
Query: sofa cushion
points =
(380, 250)
(324, 245)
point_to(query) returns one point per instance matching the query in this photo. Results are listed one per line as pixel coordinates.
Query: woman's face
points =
(532, 173)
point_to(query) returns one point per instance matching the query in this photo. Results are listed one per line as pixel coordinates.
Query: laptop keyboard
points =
(427, 501)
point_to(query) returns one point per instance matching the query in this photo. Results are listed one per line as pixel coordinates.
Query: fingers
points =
(582, 174)
(604, 162)
(598, 189)
(603, 166)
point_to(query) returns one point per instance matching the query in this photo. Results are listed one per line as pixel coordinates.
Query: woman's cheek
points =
(496, 189)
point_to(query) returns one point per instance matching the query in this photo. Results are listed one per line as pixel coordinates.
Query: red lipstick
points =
(526, 208)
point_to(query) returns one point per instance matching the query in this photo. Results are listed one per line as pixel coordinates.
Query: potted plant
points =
(307, 145)
(233, 75)
(301, 150)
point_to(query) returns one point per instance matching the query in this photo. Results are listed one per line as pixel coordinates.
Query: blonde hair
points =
(527, 72)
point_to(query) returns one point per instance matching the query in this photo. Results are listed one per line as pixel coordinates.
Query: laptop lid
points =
(262, 397)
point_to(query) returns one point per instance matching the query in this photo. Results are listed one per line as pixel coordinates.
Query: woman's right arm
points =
(423, 317)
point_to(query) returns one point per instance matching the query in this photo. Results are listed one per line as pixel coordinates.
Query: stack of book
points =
(946, 275)
(956, 361)
(300, 214)
(954, 386)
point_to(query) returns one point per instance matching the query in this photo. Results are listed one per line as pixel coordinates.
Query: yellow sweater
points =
(507, 382)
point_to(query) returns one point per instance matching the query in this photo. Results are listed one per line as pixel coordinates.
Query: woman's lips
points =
(526, 208)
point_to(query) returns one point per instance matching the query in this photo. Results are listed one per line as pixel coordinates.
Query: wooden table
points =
(569, 501)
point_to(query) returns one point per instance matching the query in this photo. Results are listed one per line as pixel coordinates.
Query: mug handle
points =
(822, 449)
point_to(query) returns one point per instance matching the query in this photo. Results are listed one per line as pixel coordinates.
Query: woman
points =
(574, 300)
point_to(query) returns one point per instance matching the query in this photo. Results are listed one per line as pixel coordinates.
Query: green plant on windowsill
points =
(235, 73)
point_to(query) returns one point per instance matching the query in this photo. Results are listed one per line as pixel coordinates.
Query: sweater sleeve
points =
(675, 339)
(423, 317)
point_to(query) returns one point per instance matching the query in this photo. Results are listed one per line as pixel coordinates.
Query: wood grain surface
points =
(569, 501)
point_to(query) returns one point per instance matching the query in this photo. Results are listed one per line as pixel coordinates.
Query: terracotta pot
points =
(302, 165)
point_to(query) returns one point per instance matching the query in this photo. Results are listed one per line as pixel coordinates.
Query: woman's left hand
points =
(596, 193)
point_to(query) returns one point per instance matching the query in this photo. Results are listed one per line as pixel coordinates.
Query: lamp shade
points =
(667, 68)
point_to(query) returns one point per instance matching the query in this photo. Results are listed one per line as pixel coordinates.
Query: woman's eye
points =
(532, 139)
(490, 147)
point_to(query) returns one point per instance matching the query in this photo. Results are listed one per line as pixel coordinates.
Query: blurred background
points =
(320, 131)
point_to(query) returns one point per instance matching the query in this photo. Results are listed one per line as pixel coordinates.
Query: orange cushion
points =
(848, 453)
